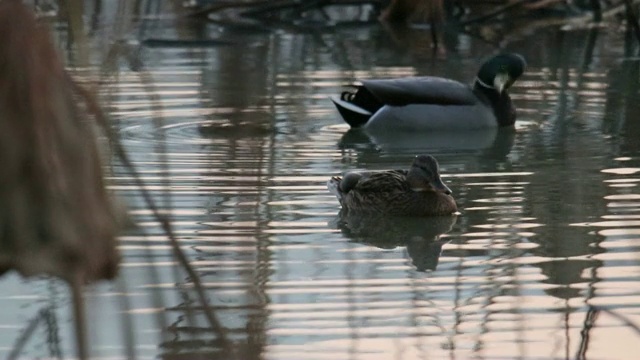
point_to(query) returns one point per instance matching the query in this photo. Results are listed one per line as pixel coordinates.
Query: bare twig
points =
(606, 14)
(541, 4)
(260, 7)
(76, 284)
(616, 315)
(206, 10)
(590, 321)
(496, 12)
(128, 335)
(22, 340)
(597, 10)
(101, 119)
(632, 19)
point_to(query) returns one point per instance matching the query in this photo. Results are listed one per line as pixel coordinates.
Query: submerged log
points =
(56, 216)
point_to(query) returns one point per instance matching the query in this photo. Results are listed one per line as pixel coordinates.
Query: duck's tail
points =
(356, 107)
(351, 114)
(334, 187)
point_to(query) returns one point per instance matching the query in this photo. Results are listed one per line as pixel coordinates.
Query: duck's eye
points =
(503, 68)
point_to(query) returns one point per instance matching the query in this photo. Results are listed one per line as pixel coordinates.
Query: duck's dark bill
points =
(438, 185)
(352, 114)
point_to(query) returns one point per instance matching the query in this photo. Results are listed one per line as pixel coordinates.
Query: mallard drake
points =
(418, 191)
(435, 103)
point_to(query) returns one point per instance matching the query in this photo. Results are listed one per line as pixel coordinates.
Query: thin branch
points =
(622, 318)
(101, 119)
(76, 283)
(606, 14)
(597, 10)
(496, 12)
(264, 6)
(206, 10)
(632, 19)
(22, 340)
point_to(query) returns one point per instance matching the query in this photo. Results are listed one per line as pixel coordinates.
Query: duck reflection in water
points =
(470, 147)
(420, 235)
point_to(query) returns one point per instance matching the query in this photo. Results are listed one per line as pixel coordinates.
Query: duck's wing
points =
(383, 181)
(421, 90)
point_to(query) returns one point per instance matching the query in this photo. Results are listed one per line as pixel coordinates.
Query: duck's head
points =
(425, 176)
(501, 71)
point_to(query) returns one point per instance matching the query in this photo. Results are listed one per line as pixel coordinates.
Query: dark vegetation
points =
(486, 19)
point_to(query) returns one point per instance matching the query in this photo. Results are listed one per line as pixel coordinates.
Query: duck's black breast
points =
(421, 90)
(501, 104)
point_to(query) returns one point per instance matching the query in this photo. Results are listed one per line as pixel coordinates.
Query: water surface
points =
(548, 228)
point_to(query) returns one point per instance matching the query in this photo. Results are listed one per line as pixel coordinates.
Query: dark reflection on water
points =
(420, 236)
(549, 213)
(490, 145)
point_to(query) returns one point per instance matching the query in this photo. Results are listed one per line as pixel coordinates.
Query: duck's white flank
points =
(421, 117)
(349, 106)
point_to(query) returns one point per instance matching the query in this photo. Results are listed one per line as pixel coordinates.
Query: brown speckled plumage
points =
(418, 191)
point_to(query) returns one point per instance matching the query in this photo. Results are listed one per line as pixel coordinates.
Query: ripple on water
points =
(251, 207)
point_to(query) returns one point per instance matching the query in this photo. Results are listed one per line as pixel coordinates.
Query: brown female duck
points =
(418, 191)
